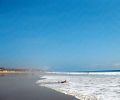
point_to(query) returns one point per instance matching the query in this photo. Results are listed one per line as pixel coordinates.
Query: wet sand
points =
(23, 87)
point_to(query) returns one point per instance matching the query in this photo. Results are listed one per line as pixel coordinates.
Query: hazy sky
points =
(60, 34)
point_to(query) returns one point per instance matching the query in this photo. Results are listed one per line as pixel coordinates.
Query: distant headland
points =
(4, 70)
(12, 70)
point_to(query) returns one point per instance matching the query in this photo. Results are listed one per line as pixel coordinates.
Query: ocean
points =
(84, 85)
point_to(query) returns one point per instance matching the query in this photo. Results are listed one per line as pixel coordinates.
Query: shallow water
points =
(85, 87)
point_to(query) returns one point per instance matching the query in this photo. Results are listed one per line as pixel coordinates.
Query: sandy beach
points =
(12, 72)
(23, 87)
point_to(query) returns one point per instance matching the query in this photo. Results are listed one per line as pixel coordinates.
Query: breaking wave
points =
(103, 86)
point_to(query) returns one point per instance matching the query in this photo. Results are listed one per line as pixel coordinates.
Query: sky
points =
(60, 35)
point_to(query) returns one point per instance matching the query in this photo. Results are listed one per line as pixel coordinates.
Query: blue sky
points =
(63, 35)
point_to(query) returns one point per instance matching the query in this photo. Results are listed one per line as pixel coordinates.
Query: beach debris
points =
(62, 81)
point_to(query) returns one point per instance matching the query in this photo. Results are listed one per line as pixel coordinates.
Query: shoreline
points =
(61, 92)
(23, 87)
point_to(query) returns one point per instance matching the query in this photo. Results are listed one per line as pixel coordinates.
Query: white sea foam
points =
(85, 87)
(84, 73)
